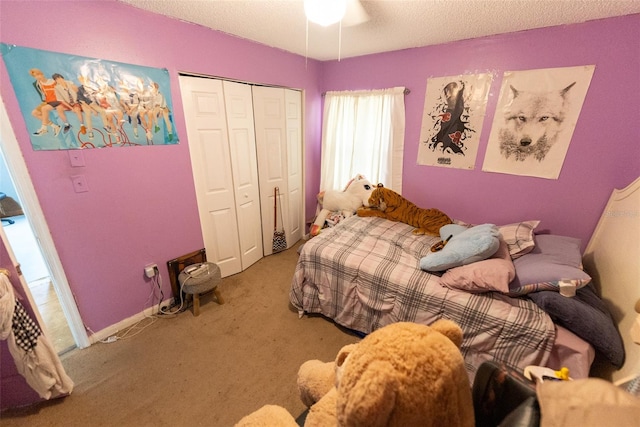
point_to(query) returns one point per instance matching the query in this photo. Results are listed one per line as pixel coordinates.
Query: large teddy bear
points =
(403, 374)
(355, 195)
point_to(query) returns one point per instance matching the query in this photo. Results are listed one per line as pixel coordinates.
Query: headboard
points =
(612, 258)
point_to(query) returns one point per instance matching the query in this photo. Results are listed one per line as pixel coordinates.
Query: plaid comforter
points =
(365, 273)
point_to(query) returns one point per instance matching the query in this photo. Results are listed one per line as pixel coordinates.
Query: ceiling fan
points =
(328, 12)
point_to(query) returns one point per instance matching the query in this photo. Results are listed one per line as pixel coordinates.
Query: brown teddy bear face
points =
(404, 374)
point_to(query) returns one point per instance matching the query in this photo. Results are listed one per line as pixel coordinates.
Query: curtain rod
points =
(407, 91)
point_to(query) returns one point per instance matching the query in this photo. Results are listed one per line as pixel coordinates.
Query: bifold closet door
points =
(223, 158)
(293, 106)
(278, 141)
(244, 166)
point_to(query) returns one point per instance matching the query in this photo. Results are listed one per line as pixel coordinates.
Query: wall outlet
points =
(150, 270)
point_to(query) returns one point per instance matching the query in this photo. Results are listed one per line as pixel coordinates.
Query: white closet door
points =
(244, 164)
(293, 102)
(204, 107)
(271, 143)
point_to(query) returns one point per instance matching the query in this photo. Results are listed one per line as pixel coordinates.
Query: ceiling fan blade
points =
(355, 14)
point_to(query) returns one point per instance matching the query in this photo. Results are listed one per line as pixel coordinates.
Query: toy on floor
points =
(355, 195)
(386, 203)
(400, 375)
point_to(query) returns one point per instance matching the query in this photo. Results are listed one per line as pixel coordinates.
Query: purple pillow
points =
(553, 259)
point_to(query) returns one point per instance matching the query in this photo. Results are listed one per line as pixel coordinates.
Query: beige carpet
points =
(209, 370)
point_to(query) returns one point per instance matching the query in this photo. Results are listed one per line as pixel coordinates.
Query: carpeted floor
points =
(209, 370)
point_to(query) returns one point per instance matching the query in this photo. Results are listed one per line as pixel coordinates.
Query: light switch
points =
(79, 183)
(77, 158)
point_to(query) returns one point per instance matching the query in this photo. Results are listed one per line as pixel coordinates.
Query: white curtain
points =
(363, 133)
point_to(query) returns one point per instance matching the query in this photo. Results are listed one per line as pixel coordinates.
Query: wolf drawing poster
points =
(534, 121)
(454, 109)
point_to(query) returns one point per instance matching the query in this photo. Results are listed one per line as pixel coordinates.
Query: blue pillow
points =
(473, 244)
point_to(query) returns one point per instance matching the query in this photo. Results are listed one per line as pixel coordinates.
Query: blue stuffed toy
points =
(463, 246)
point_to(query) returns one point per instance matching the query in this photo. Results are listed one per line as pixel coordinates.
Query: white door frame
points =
(31, 206)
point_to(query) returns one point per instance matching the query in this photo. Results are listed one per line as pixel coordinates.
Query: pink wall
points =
(141, 207)
(605, 149)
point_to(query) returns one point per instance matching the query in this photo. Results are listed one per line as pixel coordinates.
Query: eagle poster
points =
(454, 109)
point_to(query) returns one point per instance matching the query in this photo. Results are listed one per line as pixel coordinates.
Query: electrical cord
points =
(159, 284)
(127, 332)
(162, 312)
(108, 340)
(166, 311)
(157, 280)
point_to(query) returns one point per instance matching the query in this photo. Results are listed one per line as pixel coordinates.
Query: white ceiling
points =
(393, 24)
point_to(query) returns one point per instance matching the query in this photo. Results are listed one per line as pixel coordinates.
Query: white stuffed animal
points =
(355, 195)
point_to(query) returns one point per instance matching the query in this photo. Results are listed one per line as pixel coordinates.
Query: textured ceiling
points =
(393, 24)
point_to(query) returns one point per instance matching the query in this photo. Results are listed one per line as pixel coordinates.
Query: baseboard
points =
(112, 330)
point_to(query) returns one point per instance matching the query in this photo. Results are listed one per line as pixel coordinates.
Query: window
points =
(363, 133)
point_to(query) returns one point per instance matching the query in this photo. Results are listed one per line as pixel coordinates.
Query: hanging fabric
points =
(34, 356)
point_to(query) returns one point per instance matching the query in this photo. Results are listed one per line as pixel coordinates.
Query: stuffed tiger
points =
(386, 203)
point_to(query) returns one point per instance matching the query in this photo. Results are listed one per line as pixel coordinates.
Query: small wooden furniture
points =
(199, 279)
(177, 265)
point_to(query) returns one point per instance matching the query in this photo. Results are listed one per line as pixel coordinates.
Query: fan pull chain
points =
(306, 45)
(339, 40)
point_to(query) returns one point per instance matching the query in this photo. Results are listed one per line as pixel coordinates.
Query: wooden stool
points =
(198, 279)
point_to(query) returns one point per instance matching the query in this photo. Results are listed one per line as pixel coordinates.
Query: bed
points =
(365, 273)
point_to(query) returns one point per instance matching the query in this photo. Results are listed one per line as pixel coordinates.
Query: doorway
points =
(34, 268)
(15, 177)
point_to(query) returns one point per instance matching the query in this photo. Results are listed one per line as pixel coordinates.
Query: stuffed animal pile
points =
(403, 374)
(355, 195)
